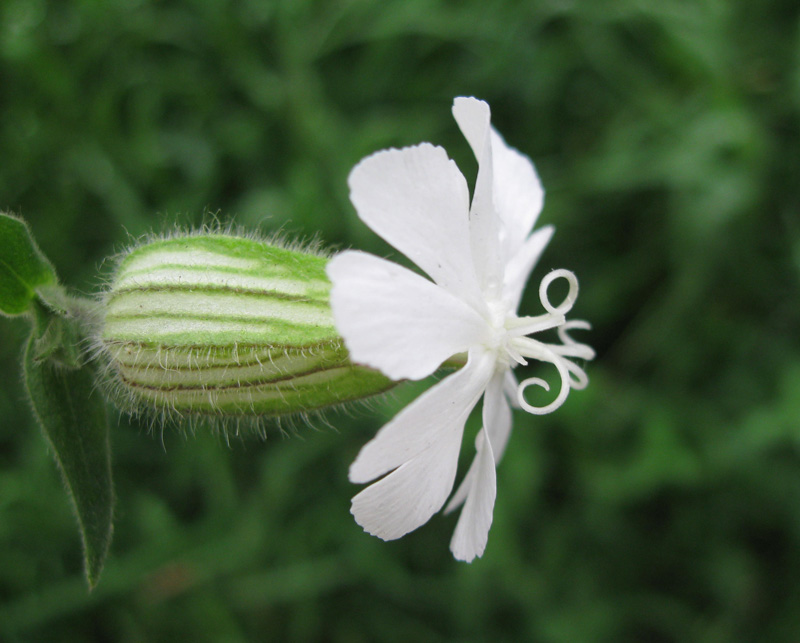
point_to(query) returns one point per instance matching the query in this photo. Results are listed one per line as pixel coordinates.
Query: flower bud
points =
(226, 325)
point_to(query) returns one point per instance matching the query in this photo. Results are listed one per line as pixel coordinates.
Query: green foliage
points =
(72, 416)
(23, 268)
(59, 387)
(660, 504)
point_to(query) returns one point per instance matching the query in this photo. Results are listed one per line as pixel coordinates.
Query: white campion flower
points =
(478, 256)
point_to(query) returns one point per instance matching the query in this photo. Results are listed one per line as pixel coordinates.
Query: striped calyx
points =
(219, 324)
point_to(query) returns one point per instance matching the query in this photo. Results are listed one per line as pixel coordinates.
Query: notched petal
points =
(472, 530)
(420, 447)
(397, 321)
(446, 405)
(417, 200)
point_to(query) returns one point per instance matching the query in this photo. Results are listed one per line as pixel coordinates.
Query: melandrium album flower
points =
(478, 255)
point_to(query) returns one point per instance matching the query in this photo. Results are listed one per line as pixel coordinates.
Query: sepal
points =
(219, 324)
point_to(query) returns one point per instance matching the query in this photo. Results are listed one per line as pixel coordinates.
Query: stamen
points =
(537, 381)
(530, 325)
(532, 349)
(563, 330)
(569, 300)
(570, 347)
(514, 354)
(520, 347)
(578, 380)
(581, 351)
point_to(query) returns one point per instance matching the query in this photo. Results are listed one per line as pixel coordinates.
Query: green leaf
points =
(23, 267)
(73, 419)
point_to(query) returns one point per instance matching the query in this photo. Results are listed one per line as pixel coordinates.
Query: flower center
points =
(516, 345)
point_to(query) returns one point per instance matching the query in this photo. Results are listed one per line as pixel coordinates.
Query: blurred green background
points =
(661, 504)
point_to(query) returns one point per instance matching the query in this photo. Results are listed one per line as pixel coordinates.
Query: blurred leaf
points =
(73, 419)
(23, 267)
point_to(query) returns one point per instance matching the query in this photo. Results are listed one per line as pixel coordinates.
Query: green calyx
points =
(219, 324)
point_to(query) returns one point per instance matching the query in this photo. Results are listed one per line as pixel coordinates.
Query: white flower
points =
(479, 256)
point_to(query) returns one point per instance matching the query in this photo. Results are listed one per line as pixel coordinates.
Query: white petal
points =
(443, 407)
(458, 498)
(510, 386)
(497, 415)
(432, 427)
(408, 497)
(418, 201)
(472, 529)
(397, 321)
(497, 420)
(515, 189)
(518, 193)
(473, 118)
(521, 264)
